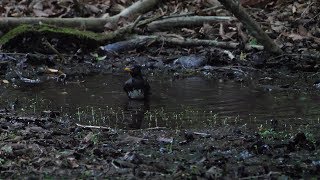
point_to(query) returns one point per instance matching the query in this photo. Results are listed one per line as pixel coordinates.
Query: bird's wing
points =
(127, 85)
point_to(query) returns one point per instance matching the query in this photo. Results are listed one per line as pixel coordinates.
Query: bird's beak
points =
(128, 69)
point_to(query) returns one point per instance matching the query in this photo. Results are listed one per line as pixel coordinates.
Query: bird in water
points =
(137, 87)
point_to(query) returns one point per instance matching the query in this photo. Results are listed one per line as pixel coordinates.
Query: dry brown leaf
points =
(165, 140)
(221, 31)
(302, 31)
(88, 137)
(117, 8)
(317, 40)
(40, 13)
(93, 9)
(38, 6)
(211, 3)
(255, 3)
(206, 29)
(131, 139)
(295, 36)
(229, 35)
(294, 9)
(72, 162)
(278, 26)
(110, 26)
(189, 31)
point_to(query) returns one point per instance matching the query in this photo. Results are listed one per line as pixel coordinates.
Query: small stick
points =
(95, 127)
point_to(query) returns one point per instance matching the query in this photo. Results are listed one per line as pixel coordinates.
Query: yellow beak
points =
(127, 69)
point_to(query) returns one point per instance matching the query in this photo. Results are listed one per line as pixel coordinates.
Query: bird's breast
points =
(136, 94)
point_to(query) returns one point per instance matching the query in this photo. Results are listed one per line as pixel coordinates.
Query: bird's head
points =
(134, 70)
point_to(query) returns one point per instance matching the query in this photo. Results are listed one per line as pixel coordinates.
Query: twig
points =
(147, 21)
(170, 23)
(135, 23)
(261, 176)
(230, 68)
(18, 54)
(94, 127)
(311, 19)
(177, 40)
(149, 129)
(195, 42)
(55, 50)
(193, 13)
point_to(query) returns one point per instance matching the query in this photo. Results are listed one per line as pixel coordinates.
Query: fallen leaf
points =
(72, 162)
(165, 140)
(294, 9)
(295, 37)
(302, 31)
(88, 137)
(278, 26)
(40, 13)
(7, 149)
(52, 70)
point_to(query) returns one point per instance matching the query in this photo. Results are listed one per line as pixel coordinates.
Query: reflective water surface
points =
(185, 103)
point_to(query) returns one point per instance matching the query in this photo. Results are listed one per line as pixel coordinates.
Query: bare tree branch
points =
(170, 23)
(93, 24)
(251, 25)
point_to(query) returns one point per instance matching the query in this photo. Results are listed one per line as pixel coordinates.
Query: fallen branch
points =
(170, 23)
(315, 55)
(10, 117)
(195, 42)
(203, 42)
(97, 38)
(140, 41)
(141, 6)
(251, 25)
(93, 24)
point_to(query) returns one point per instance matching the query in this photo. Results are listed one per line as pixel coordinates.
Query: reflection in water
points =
(136, 109)
(191, 102)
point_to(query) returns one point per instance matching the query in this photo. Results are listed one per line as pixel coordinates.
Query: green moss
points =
(51, 30)
(72, 32)
(14, 33)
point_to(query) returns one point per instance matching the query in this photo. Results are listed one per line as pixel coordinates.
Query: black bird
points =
(137, 87)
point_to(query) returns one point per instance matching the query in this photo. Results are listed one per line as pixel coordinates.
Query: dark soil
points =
(48, 148)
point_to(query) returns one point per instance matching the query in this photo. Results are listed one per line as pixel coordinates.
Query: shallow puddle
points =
(185, 103)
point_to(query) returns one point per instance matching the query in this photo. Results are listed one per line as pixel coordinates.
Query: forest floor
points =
(48, 148)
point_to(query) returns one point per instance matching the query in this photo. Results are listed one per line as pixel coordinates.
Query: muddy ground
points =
(48, 148)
